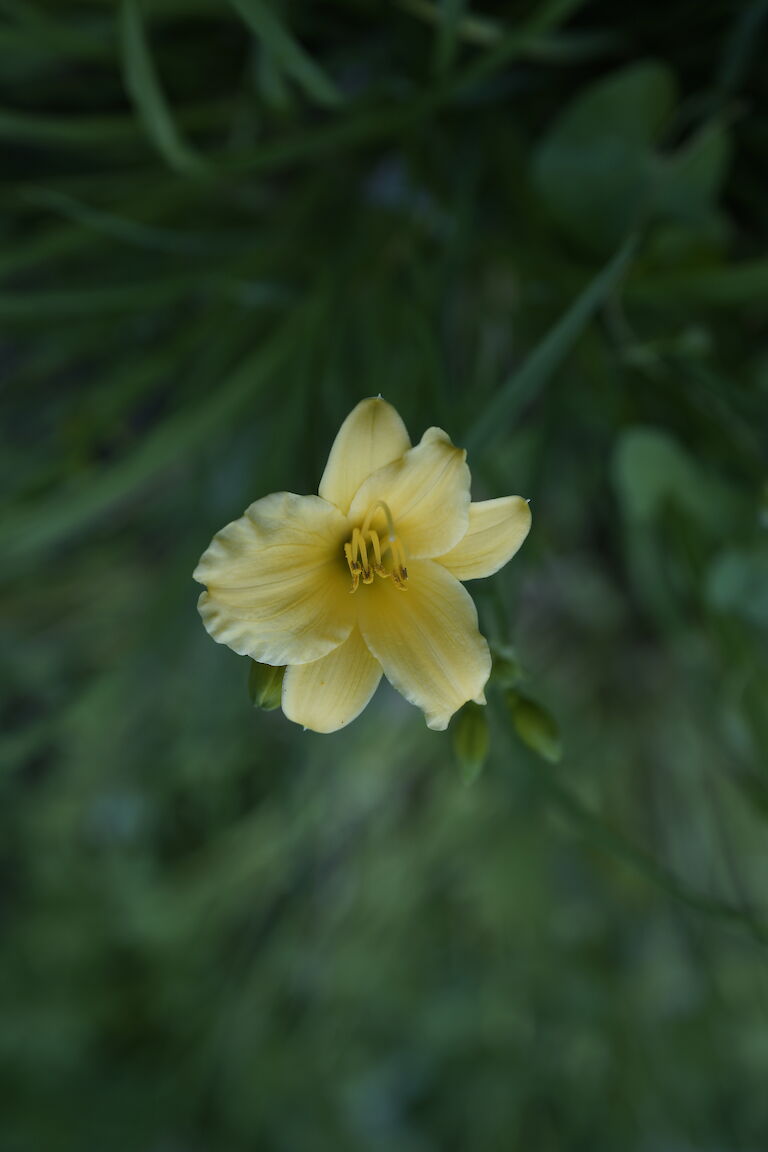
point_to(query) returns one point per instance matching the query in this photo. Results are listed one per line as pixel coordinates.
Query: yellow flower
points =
(365, 577)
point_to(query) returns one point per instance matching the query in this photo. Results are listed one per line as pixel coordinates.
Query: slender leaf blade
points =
(524, 385)
(286, 50)
(143, 86)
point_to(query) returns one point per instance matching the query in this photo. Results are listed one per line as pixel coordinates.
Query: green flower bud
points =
(535, 726)
(471, 740)
(507, 670)
(265, 685)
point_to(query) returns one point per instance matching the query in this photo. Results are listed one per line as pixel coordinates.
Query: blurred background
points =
(542, 226)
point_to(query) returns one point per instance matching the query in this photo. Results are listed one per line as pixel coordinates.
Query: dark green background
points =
(543, 227)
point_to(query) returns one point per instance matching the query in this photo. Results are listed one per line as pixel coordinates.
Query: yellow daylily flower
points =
(365, 578)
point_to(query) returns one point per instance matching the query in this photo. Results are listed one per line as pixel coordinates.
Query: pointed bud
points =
(535, 726)
(507, 670)
(470, 740)
(265, 685)
(763, 506)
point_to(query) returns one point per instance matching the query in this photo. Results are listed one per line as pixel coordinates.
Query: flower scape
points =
(365, 578)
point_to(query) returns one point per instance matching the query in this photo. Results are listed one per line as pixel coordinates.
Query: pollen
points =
(376, 552)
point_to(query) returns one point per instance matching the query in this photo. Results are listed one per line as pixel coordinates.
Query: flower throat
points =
(367, 550)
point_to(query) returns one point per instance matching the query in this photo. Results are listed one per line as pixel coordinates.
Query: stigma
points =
(373, 552)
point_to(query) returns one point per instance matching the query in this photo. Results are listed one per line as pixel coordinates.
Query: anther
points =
(364, 565)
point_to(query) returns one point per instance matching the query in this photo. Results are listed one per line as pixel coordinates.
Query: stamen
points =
(365, 566)
(374, 539)
(361, 565)
(378, 567)
(355, 567)
(399, 570)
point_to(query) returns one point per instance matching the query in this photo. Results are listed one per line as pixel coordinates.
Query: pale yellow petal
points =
(427, 491)
(371, 436)
(496, 530)
(329, 693)
(426, 640)
(278, 585)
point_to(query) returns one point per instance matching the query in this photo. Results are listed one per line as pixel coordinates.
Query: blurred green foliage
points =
(541, 225)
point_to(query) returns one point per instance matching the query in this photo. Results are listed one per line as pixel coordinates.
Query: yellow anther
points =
(399, 570)
(367, 574)
(365, 566)
(354, 564)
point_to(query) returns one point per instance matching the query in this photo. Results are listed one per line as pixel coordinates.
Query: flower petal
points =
(329, 693)
(278, 586)
(427, 491)
(371, 436)
(496, 530)
(427, 641)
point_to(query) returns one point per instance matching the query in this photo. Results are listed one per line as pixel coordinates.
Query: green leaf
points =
(71, 130)
(753, 787)
(265, 685)
(143, 87)
(521, 388)
(650, 467)
(293, 60)
(535, 726)
(450, 15)
(35, 527)
(272, 81)
(728, 286)
(612, 841)
(594, 169)
(737, 583)
(112, 224)
(687, 183)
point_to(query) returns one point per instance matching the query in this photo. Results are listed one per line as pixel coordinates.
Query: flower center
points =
(371, 552)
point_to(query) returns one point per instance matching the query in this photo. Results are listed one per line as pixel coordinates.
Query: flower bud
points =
(265, 685)
(506, 671)
(470, 740)
(535, 726)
